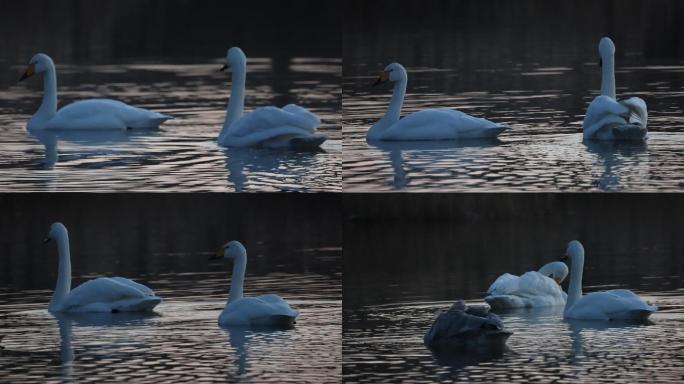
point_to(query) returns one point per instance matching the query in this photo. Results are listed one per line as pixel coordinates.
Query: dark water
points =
(173, 68)
(164, 241)
(514, 63)
(406, 259)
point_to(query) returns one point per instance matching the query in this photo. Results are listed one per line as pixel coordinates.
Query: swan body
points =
(95, 114)
(608, 118)
(104, 294)
(428, 124)
(291, 127)
(614, 304)
(265, 310)
(532, 289)
(466, 328)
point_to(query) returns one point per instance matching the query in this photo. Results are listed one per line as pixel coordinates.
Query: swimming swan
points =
(291, 127)
(615, 304)
(428, 124)
(104, 294)
(608, 118)
(265, 310)
(84, 114)
(532, 289)
(466, 328)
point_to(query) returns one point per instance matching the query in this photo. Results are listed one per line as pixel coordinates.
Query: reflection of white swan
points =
(610, 119)
(289, 127)
(615, 304)
(104, 294)
(532, 289)
(463, 328)
(428, 124)
(620, 158)
(264, 310)
(84, 114)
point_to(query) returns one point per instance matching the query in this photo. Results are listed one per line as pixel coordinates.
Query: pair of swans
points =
(119, 294)
(606, 117)
(290, 127)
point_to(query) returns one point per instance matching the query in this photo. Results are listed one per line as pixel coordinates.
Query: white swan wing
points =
(441, 124)
(106, 294)
(104, 114)
(540, 289)
(504, 285)
(270, 118)
(259, 310)
(608, 119)
(616, 304)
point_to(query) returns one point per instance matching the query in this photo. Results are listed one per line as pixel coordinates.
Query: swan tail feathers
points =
(641, 314)
(629, 132)
(307, 143)
(284, 321)
(145, 304)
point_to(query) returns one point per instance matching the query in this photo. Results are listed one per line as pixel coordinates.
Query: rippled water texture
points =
(521, 69)
(174, 71)
(450, 248)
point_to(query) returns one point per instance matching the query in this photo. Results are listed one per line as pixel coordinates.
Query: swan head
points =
(231, 250)
(556, 270)
(606, 49)
(393, 72)
(39, 63)
(56, 230)
(234, 57)
(574, 251)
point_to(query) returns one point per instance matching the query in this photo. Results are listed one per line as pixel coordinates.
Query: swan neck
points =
(48, 107)
(63, 286)
(575, 287)
(394, 110)
(608, 77)
(238, 279)
(236, 103)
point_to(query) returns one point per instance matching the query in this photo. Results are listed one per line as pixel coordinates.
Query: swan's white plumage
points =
(270, 126)
(608, 118)
(532, 289)
(615, 304)
(104, 294)
(92, 114)
(428, 124)
(265, 310)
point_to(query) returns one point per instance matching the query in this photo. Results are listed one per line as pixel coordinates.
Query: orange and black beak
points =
(383, 77)
(30, 71)
(46, 240)
(564, 258)
(218, 255)
(557, 280)
(225, 66)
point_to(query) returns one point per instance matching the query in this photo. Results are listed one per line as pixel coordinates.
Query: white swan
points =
(265, 310)
(428, 124)
(104, 294)
(615, 304)
(271, 127)
(608, 118)
(84, 114)
(532, 289)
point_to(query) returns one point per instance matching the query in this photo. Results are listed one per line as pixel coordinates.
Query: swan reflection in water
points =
(438, 149)
(102, 140)
(242, 339)
(276, 163)
(618, 158)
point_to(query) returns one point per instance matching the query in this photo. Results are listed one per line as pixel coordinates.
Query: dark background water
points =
(447, 246)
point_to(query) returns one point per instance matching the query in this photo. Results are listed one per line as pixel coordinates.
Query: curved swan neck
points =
(575, 287)
(63, 286)
(238, 278)
(608, 76)
(236, 104)
(48, 107)
(394, 110)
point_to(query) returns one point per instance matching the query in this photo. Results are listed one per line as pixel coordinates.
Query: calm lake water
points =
(293, 254)
(180, 79)
(450, 249)
(523, 70)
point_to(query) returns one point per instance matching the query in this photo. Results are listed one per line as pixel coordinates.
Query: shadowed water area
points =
(451, 248)
(514, 63)
(165, 56)
(292, 254)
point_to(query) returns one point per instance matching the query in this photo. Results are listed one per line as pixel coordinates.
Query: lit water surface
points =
(183, 154)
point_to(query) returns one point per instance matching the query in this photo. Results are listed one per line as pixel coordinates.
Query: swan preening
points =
(290, 127)
(610, 119)
(428, 124)
(532, 289)
(84, 114)
(614, 304)
(265, 310)
(464, 328)
(104, 294)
